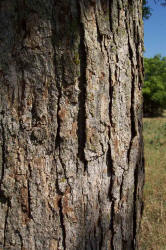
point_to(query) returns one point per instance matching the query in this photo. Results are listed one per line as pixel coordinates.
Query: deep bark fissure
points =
(34, 114)
(29, 200)
(29, 170)
(110, 15)
(132, 108)
(21, 239)
(135, 206)
(5, 225)
(121, 186)
(3, 154)
(82, 95)
(59, 192)
(139, 62)
(101, 230)
(109, 161)
(112, 224)
(111, 89)
(121, 196)
(119, 8)
(59, 79)
(3, 198)
(57, 82)
(58, 139)
(23, 88)
(99, 224)
(110, 194)
(61, 215)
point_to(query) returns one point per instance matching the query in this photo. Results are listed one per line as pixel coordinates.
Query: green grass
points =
(153, 226)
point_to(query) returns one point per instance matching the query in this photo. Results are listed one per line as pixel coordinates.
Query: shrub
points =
(154, 90)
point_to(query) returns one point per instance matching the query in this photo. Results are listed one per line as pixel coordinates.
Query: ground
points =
(153, 227)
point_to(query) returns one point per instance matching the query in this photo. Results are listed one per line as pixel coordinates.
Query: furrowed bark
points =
(71, 151)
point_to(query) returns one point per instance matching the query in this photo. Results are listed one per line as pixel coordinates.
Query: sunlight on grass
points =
(153, 227)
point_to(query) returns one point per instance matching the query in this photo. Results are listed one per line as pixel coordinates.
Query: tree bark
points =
(71, 161)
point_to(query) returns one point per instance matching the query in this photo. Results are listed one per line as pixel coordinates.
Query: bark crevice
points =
(132, 108)
(135, 206)
(3, 154)
(111, 89)
(111, 195)
(81, 132)
(6, 221)
(29, 200)
(61, 215)
(101, 230)
(21, 238)
(58, 139)
(109, 161)
(110, 15)
(112, 224)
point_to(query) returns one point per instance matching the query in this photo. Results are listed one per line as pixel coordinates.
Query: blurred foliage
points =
(154, 90)
(147, 11)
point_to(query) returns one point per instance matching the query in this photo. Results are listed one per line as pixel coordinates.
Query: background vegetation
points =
(154, 90)
(153, 226)
(147, 11)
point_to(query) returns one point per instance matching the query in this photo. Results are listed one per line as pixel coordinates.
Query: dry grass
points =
(153, 227)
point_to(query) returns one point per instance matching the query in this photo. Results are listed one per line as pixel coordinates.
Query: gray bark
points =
(71, 168)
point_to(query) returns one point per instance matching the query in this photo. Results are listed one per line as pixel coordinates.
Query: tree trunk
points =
(71, 168)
